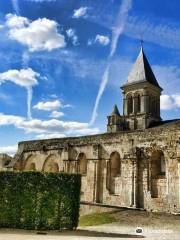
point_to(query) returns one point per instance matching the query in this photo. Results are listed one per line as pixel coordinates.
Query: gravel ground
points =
(154, 226)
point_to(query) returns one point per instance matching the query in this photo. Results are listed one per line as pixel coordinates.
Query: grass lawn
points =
(96, 219)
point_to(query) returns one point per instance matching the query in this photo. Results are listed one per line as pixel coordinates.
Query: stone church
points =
(136, 164)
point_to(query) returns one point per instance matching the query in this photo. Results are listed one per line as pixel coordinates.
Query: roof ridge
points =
(142, 71)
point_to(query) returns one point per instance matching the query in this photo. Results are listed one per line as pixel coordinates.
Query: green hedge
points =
(34, 200)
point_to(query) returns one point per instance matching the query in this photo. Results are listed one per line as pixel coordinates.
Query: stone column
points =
(135, 104)
(145, 104)
(134, 182)
(106, 175)
(158, 107)
(148, 174)
(95, 181)
(167, 177)
(132, 193)
(125, 110)
(179, 181)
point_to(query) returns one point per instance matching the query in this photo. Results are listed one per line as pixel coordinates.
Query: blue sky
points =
(58, 58)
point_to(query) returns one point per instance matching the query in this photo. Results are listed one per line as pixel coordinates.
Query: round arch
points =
(129, 98)
(30, 164)
(137, 96)
(158, 171)
(113, 170)
(51, 164)
(82, 163)
(115, 164)
(158, 163)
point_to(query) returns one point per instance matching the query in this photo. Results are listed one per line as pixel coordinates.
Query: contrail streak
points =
(116, 32)
(29, 100)
(15, 4)
(101, 90)
(119, 24)
(25, 62)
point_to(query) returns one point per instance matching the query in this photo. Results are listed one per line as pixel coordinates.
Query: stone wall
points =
(139, 181)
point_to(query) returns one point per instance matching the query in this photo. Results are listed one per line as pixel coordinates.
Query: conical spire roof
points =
(141, 71)
(115, 111)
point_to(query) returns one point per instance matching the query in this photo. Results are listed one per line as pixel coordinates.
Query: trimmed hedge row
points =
(42, 201)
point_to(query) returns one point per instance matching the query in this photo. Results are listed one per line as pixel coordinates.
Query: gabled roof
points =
(115, 111)
(142, 72)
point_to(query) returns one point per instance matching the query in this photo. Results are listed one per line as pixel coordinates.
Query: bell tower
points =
(141, 95)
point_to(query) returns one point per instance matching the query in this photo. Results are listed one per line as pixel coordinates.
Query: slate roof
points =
(115, 111)
(142, 72)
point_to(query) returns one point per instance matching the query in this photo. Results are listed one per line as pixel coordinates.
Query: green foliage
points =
(34, 200)
(96, 219)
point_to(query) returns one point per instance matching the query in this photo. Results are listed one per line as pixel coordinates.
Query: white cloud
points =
(177, 100)
(90, 42)
(24, 77)
(71, 33)
(50, 135)
(56, 114)
(47, 126)
(86, 131)
(100, 39)
(103, 40)
(14, 21)
(50, 105)
(80, 12)
(169, 102)
(11, 150)
(41, 34)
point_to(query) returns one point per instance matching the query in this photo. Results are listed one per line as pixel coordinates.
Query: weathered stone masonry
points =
(138, 182)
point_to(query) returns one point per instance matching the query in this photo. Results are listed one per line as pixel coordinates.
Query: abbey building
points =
(135, 164)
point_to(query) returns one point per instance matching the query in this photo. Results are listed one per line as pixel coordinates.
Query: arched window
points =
(130, 104)
(50, 164)
(158, 171)
(82, 163)
(158, 164)
(113, 171)
(115, 164)
(30, 164)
